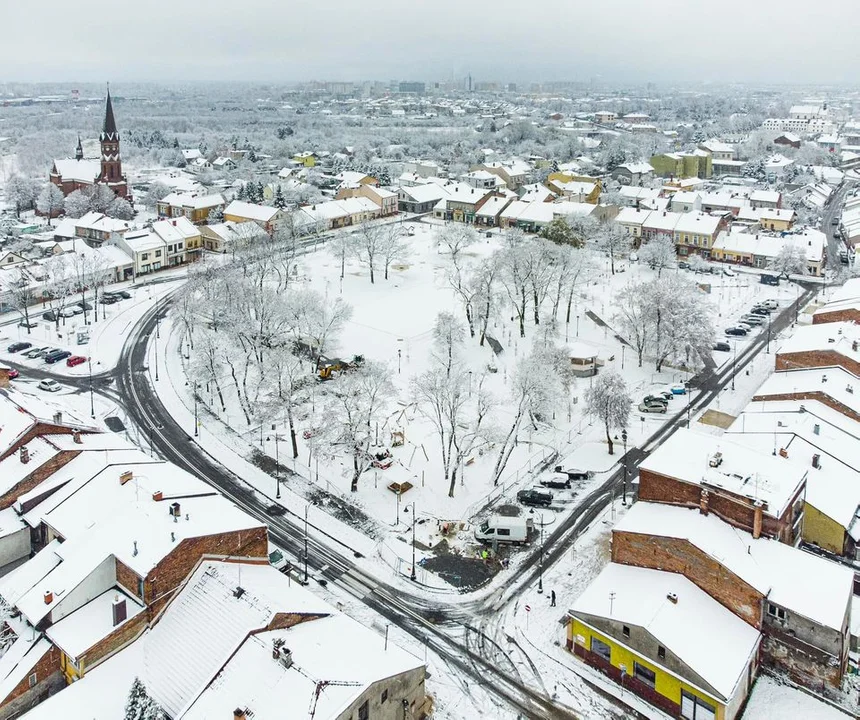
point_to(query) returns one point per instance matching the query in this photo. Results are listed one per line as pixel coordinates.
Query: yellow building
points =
(661, 637)
(822, 530)
(582, 187)
(306, 159)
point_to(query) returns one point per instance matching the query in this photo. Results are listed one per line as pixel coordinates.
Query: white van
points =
(503, 529)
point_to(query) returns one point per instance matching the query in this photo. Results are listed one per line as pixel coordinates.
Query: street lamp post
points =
(734, 362)
(92, 405)
(414, 520)
(624, 492)
(277, 465)
(398, 361)
(623, 347)
(540, 557)
(306, 543)
(195, 409)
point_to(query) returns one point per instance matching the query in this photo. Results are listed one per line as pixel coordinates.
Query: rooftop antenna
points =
(611, 602)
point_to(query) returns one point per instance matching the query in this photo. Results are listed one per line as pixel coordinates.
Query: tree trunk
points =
(612, 261)
(356, 471)
(535, 300)
(609, 439)
(569, 305)
(342, 263)
(292, 431)
(372, 281)
(453, 482)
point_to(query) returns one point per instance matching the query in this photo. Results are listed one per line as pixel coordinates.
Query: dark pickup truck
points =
(534, 497)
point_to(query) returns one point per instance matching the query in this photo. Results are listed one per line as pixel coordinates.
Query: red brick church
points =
(75, 173)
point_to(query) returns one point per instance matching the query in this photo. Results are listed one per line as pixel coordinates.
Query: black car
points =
(55, 357)
(760, 310)
(85, 305)
(557, 482)
(108, 299)
(124, 294)
(722, 346)
(50, 316)
(736, 331)
(534, 497)
(766, 279)
(684, 265)
(275, 509)
(18, 346)
(655, 400)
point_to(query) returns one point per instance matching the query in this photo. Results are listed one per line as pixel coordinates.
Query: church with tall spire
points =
(72, 174)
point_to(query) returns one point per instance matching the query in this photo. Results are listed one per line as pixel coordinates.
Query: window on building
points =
(158, 253)
(363, 711)
(694, 708)
(384, 696)
(625, 631)
(644, 674)
(661, 652)
(776, 612)
(144, 256)
(598, 647)
(140, 588)
(33, 680)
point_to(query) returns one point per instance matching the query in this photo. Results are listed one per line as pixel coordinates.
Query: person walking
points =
(552, 598)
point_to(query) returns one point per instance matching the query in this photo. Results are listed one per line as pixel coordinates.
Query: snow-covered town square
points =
(340, 386)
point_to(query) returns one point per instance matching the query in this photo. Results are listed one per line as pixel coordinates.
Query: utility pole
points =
(624, 440)
(414, 520)
(195, 409)
(92, 406)
(306, 544)
(734, 362)
(540, 559)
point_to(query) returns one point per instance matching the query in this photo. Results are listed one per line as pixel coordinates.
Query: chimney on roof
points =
(157, 496)
(125, 476)
(672, 598)
(757, 520)
(174, 510)
(174, 223)
(240, 714)
(119, 611)
(76, 436)
(49, 597)
(58, 417)
(704, 502)
(816, 461)
(24, 454)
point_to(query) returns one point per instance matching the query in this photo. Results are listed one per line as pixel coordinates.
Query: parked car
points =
(678, 389)
(49, 385)
(124, 294)
(71, 311)
(759, 310)
(739, 331)
(57, 356)
(573, 474)
(722, 346)
(36, 352)
(12, 373)
(24, 323)
(556, 482)
(76, 360)
(683, 265)
(534, 497)
(729, 272)
(655, 408)
(771, 304)
(767, 279)
(275, 509)
(753, 319)
(84, 305)
(655, 400)
(50, 316)
(18, 346)
(108, 299)
(277, 559)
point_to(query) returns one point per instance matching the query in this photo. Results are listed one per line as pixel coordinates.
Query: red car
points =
(12, 373)
(75, 360)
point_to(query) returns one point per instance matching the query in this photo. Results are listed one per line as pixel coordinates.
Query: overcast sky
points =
(790, 41)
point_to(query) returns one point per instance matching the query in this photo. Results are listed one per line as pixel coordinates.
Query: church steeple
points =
(109, 127)
(79, 150)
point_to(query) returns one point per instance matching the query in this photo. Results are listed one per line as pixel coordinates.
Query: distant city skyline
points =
(766, 41)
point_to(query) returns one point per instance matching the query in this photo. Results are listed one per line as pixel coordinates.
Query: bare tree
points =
(355, 403)
(456, 237)
(391, 246)
(658, 254)
(50, 200)
(448, 335)
(21, 294)
(790, 260)
(514, 275)
(59, 284)
(608, 401)
(484, 282)
(633, 316)
(368, 246)
(613, 240)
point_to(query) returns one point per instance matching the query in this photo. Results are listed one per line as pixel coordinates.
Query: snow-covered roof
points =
(698, 223)
(687, 455)
(640, 168)
(191, 154)
(357, 205)
(774, 699)
(492, 207)
(772, 196)
(662, 221)
(834, 382)
(769, 566)
(101, 223)
(143, 240)
(632, 192)
(86, 171)
(717, 146)
(428, 192)
(251, 211)
(79, 631)
(632, 216)
(838, 337)
(816, 429)
(175, 229)
(711, 640)
(192, 201)
(206, 632)
(812, 242)
(12, 470)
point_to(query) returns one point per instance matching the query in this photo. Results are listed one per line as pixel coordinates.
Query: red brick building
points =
(77, 173)
(758, 493)
(831, 344)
